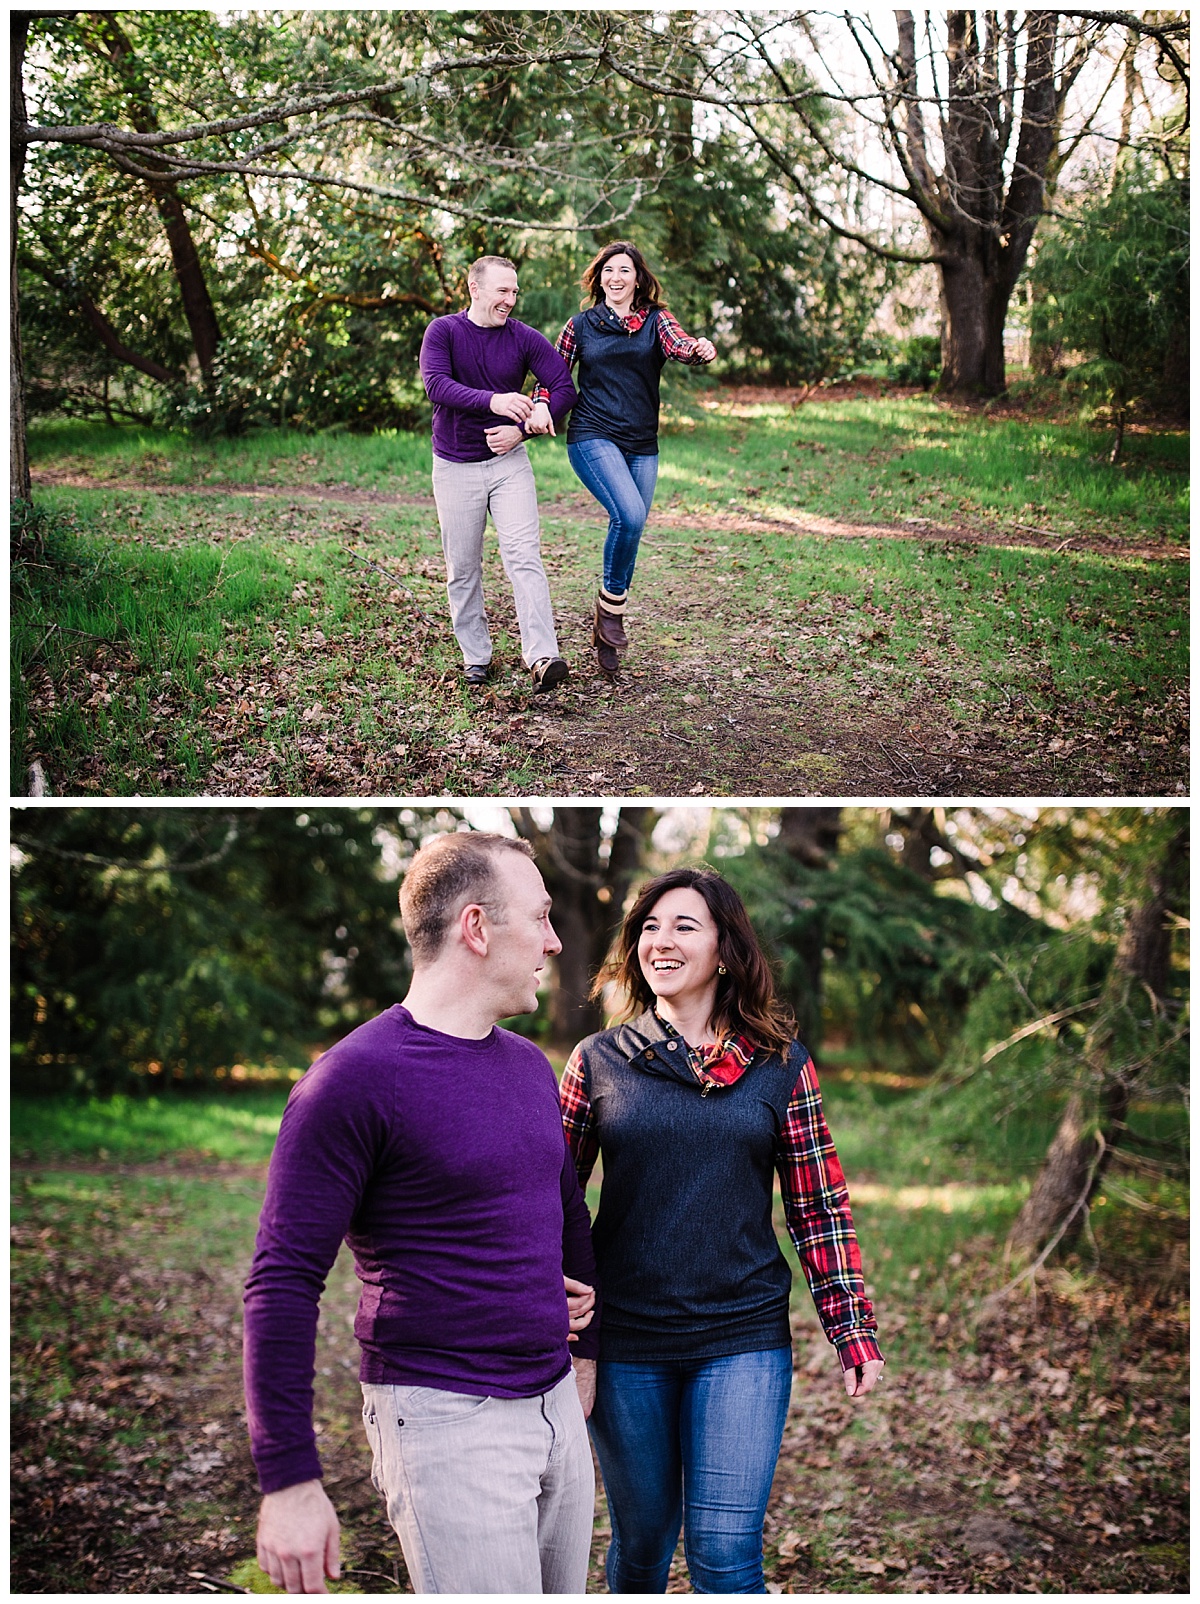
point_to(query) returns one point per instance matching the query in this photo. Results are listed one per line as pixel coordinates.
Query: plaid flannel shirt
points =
(676, 346)
(816, 1203)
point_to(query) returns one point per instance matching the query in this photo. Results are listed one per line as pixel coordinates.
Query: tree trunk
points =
(810, 835)
(18, 460)
(1093, 1123)
(198, 308)
(974, 305)
(589, 895)
(979, 234)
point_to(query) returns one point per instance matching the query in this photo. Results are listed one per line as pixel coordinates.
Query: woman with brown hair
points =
(621, 341)
(694, 1103)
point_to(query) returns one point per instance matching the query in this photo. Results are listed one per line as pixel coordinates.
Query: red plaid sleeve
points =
(565, 346)
(817, 1206)
(676, 345)
(577, 1118)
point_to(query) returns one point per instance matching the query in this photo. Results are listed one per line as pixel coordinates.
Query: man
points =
(431, 1141)
(474, 364)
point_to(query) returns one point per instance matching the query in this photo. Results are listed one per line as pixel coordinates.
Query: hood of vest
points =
(603, 320)
(647, 1047)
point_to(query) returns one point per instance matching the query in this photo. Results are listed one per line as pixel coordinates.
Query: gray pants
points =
(465, 493)
(487, 1495)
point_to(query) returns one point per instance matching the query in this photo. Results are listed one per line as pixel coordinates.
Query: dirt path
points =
(743, 520)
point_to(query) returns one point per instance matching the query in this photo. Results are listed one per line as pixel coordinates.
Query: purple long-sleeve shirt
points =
(441, 1162)
(464, 366)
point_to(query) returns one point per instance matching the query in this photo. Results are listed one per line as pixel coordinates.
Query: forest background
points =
(232, 229)
(997, 1001)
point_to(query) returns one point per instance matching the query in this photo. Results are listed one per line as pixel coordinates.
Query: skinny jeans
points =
(623, 483)
(691, 1442)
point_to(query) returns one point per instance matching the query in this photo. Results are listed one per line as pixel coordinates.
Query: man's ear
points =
(474, 929)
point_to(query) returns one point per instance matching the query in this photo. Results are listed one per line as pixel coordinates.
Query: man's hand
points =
(298, 1538)
(511, 404)
(503, 438)
(539, 420)
(585, 1381)
(860, 1379)
(705, 350)
(581, 1303)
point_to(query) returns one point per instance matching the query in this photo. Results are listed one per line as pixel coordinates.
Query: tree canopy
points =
(249, 216)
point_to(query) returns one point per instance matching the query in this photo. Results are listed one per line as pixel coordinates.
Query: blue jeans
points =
(692, 1441)
(623, 484)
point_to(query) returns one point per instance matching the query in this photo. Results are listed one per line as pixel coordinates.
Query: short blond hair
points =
(479, 267)
(445, 875)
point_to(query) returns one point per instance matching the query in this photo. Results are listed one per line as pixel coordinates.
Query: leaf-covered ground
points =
(1044, 1452)
(212, 635)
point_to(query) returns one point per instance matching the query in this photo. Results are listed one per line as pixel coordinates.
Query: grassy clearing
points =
(864, 460)
(184, 640)
(1062, 1421)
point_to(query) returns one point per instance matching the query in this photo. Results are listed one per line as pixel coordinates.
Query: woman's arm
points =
(817, 1206)
(677, 346)
(577, 1117)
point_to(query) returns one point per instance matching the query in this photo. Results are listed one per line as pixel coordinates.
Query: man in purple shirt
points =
(474, 364)
(430, 1140)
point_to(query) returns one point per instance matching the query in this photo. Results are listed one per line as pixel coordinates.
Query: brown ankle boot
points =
(606, 652)
(610, 619)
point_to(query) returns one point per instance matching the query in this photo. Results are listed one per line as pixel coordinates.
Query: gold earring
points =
(721, 969)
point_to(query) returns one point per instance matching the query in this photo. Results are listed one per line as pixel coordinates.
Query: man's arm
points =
(319, 1170)
(444, 390)
(555, 385)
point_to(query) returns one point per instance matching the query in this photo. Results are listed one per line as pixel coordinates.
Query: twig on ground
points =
(682, 739)
(897, 761)
(215, 1584)
(421, 613)
(1033, 529)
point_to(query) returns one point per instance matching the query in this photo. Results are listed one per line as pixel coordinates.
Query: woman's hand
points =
(860, 1379)
(505, 437)
(539, 420)
(705, 350)
(581, 1304)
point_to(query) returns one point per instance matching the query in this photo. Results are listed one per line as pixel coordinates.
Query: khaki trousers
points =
(465, 493)
(487, 1495)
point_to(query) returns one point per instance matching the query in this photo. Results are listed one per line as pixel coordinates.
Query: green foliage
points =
(1111, 283)
(917, 360)
(321, 293)
(149, 948)
(898, 963)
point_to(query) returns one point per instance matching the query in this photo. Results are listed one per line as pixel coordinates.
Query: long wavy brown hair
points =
(746, 1000)
(647, 291)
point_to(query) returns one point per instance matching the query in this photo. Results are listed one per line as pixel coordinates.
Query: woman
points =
(621, 342)
(693, 1105)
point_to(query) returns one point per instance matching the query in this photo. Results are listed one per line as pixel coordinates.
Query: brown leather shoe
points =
(610, 628)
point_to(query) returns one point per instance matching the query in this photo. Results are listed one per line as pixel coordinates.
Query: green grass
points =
(863, 460)
(168, 642)
(240, 1128)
